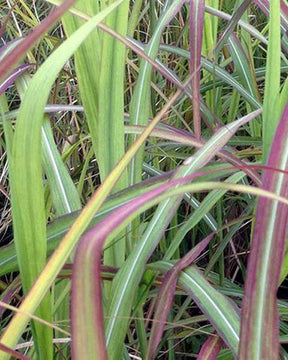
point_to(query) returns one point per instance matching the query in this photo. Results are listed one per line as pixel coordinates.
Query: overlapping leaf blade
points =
(259, 323)
(125, 282)
(197, 8)
(28, 201)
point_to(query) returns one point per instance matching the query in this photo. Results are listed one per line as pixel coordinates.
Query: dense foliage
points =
(144, 190)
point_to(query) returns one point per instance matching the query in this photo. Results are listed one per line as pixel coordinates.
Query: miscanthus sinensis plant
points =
(144, 189)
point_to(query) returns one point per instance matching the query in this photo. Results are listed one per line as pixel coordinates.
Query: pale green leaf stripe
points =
(220, 310)
(192, 201)
(203, 209)
(139, 109)
(247, 27)
(65, 197)
(49, 109)
(27, 151)
(126, 280)
(242, 65)
(111, 94)
(63, 191)
(219, 72)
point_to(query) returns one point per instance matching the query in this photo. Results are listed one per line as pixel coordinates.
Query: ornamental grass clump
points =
(144, 179)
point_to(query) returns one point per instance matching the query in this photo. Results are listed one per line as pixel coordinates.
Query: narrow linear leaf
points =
(13, 353)
(139, 108)
(166, 294)
(13, 76)
(23, 46)
(271, 104)
(210, 349)
(197, 9)
(125, 282)
(64, 194)
(28, 202)
(232, 24)
(222, 313)
(259, 323)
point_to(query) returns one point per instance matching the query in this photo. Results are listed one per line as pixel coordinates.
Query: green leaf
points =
(271, 113)
(65, 197)
(260, 319)
(125, 282)
(27, 200)
(221, 312)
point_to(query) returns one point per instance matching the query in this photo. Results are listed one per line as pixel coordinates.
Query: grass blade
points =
(196, 36)
(13, 76)
(139, 108)
(259, 323)
(65, 197)
(23, 46)
(220, 311)
(271, 104)
(166, 294)
(210, 349)
(111, 139)
(125, 282)
(29, 216)
(232, 24)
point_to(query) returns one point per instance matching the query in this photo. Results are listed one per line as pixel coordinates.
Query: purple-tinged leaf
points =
(259, 324)
(86, 314)
(13, 76)
(18, 52)
(9, 293)
(166, 293)
(197, 8)
(87, 324)
(264, 5)
(243, 66)
(284, 8)
(210, 349)
(126, 281)
(13, 353)
(9, 46)
(183, 137)
(221, 312)
(232, 24)
(247, 27)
